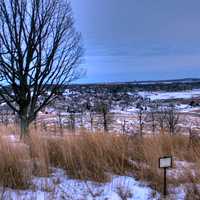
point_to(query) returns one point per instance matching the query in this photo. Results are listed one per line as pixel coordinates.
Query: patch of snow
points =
(178, 193)
(170, 95)
(132, 110)
(59, 185)
(181, 169)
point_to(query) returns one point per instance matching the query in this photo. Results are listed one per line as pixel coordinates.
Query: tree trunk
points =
(24, 127)
(105, 124)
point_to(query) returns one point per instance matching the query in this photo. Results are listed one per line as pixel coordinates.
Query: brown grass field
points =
(94, 156)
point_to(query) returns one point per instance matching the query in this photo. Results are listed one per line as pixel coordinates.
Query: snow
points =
(178, 193)
(132, 110)
(129, 110)
(59, 185)
(184, 108)
(171, 95)
(181, 169)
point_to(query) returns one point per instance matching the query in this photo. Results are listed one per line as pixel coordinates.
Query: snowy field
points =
(59, 186)
(170, 95)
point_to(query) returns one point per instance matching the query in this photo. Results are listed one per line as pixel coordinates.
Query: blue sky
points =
(139, 39)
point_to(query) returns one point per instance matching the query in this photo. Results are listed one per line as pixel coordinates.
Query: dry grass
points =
(91, 156)
(15, 165)
(38, 149)
(151, 148)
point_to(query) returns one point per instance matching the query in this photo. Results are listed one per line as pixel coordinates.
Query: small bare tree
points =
(39, 53)
(91, 119)
(124, 126)
(90, 108)
(161, 117)
(72, 121)
(141, 116)
(194, 136)
(172, 119)
(60, 122)
(152, 117)
(103, 108)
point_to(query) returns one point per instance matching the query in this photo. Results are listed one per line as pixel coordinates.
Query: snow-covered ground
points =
(59, 186)
(184, 108)
(170, 95)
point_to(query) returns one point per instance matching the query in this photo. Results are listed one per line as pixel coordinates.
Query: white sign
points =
(165, 162)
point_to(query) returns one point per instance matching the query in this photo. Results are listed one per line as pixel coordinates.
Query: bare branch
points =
(39, 50)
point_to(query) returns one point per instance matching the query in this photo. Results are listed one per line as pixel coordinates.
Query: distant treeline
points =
(134, 87)
(168, 86)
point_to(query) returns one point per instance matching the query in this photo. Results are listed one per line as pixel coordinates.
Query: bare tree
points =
(161, 117)
(72, 121)
(60, 122)
(103, 108)
(141, 116)
(172, 119)
(91, 119)
(194, 136)
(39, 53)
(124, 126)
(152, 117)
(90, 108)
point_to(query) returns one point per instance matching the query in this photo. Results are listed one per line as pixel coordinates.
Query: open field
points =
(123, 107)
(103, 145)
(88, 106)
(85, 165)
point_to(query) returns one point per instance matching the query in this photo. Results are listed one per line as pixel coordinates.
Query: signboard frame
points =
(165, 157)
(165, 172)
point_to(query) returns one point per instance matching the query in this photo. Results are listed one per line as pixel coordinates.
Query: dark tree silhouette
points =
(103, 107)
(39, 53)
(141, 115)
(172, 119)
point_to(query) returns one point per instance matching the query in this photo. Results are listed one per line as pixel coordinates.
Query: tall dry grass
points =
(90, 156)
(15, 164)
(154, 147)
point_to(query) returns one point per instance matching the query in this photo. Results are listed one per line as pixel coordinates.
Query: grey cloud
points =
(136, 36)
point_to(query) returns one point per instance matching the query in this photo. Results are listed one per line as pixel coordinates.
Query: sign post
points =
(165, 163)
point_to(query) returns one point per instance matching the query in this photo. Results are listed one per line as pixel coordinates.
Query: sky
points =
(132, 40)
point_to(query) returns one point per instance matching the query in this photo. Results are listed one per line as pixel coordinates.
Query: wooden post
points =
(165, 163)
(165, 182)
